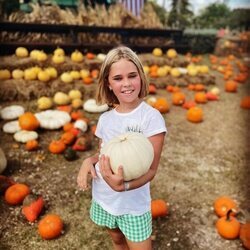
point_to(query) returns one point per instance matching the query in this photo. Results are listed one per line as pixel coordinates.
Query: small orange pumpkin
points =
(195, 114)
(28, 121)
(245, 102)
(223, 204)
(231, 86)
(200, 97)
(68, 126)
(162, 105)
(50, 226)
(151, 88)
(57, 147)
(245, 235)
(87, 80)
(16, 193)
(31, 145)
(178, 98)
(159, 208)
(228, 226)
(68, 138)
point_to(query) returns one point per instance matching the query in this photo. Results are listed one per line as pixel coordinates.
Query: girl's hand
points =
(86, 169)
(115, 181)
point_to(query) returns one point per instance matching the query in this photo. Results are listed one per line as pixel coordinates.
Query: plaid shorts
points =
(136, 228)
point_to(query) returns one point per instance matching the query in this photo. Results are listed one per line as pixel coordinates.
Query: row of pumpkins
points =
(50, 73)
(50, 225)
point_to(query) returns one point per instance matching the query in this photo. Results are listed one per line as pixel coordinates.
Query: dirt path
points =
(199, 163)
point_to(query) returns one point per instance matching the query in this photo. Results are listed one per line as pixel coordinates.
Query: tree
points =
(180, 15)
(215, 15)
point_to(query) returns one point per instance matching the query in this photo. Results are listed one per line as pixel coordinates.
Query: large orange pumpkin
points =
(50, 226)
(159, 208)
(28, 121)
(195, 114)
(16, 193)
(228, 226)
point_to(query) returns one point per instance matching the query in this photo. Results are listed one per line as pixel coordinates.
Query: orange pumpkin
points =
(200, 97)
(57, 147)
(245, 102)
(245, 235)
(31, 145)
(162, 105)
(195, 114)
(50, 226)
(199, 87)
(151, 89)
(28, 121)
(87, 80)
(228, 226)
(223, 204)
(178, 98)
(68, 126)
(68, 138)
(188, 104)
(16, 193)
(159, 208)
(231, 86)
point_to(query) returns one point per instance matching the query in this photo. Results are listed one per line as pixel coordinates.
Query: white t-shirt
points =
(143, 119)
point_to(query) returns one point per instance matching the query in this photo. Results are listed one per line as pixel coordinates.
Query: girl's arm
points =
(116, 181)
(87, 168)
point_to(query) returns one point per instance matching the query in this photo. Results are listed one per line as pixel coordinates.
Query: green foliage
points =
(180, 15)
(216, 15)
(240, 19)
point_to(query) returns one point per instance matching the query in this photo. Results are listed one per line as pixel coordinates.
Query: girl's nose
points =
(126, 82)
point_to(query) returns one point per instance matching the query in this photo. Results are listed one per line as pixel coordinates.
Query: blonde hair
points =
(104, 94)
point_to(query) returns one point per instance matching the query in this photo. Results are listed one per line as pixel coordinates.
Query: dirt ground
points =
(199, 163)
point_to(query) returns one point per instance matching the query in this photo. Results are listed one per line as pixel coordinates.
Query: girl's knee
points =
(117, 236)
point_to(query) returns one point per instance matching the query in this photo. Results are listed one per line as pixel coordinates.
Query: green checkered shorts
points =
(135, 228)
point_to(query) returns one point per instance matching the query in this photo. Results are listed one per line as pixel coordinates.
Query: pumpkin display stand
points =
(199, 162)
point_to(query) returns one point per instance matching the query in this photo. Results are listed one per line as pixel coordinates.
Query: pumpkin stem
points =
(229, 213)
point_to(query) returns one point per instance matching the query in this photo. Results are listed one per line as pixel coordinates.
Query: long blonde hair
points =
(104, 94)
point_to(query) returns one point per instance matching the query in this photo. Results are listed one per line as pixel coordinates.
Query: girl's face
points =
(125, 81)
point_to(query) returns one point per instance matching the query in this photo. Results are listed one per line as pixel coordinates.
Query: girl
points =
(123, 207)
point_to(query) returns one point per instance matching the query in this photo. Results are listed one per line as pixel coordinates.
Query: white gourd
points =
(52, 119)
(131, 150)
(3, 161)
(11, 112)
(24, 136)
(91, 106)
(11, 127)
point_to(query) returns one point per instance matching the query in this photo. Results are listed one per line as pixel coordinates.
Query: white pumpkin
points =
(24, 136)
(3, 161)
(101, 57)
(11, 127)
(82, 125)
(53, 119)
(131, 150)
(11, 112)
(91, 106)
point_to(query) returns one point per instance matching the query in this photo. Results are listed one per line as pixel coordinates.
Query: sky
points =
(197, 5)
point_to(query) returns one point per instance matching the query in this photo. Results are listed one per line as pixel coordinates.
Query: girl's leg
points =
(118, 238)
(143, 245)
